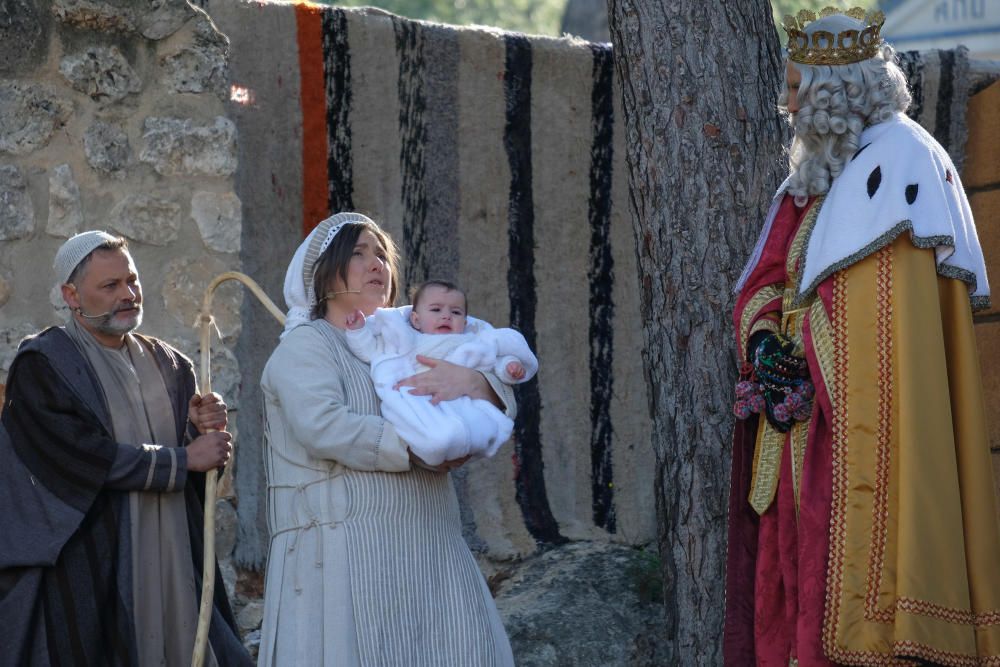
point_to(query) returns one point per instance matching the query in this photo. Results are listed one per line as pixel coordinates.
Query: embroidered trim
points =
(799, 439)
(822, 338)
(754, 306)
(764, 324)
(980, 303)
(766, 467)
(883, 439)
(838, 499)
(792, 325)
(797, 253)
(799, 245)
(923, 242)
(949, 614)
(910, 649)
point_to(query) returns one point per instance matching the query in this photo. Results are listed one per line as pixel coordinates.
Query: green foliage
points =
(784, 7)
(646, 573)
(540, 17)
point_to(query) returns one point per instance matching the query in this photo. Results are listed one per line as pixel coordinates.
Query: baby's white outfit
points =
(451, 429)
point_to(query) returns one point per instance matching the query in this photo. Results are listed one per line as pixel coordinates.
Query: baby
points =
(437, 325)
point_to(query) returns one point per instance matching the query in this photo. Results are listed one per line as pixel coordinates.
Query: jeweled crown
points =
(826, 48)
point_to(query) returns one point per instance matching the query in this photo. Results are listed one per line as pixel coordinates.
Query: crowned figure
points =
(863, 512)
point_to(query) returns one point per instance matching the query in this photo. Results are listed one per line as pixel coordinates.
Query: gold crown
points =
(826, 48)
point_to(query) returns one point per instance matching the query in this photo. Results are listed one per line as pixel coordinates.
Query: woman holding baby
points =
(367, 562)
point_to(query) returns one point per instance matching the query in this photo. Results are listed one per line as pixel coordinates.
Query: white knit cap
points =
(300, 296)
(75, 249)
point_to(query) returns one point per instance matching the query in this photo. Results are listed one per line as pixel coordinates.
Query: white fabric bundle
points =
(450, 429)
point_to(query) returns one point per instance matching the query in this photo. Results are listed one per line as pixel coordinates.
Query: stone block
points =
(6, 287)
(164, 17)
(184, 289)
(101, 72)
(17, 213)
(201, 67)
(24, 29)
(225, 529)
(99, 15)
(223, 365)
(59, 306)
(106, 148)
(584, 603)
(251, 641)
(219, 219)
(249, 618)
(147, 219)
(10, 338)
(228, 576)
(65, 210)
(179, 146)
(29, 114)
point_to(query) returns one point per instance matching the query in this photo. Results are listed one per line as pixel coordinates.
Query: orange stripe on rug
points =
(315, 200)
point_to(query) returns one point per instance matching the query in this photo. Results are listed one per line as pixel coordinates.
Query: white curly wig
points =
(836, 103)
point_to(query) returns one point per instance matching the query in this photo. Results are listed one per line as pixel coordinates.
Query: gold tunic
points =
(914, 560)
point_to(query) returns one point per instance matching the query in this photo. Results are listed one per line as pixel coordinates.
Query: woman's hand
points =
(208, 413)
(446, 381)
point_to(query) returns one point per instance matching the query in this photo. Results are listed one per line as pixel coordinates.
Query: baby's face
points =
(439, 311)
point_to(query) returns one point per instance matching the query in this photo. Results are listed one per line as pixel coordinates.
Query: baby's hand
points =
(355, 320)
(515, 370)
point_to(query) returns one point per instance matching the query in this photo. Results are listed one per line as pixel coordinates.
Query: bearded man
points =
(863, 524)
(103, 451)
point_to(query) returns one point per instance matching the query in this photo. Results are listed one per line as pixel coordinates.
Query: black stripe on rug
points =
(413, 145)
(427, 88)
(522, 289)
(442, 188)
(337, 74)
(946, 91)
(602, 280)
(912, 64)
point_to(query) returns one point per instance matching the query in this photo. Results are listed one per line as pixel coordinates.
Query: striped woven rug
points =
(495, 160)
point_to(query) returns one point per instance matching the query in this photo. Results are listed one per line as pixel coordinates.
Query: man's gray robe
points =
(65, 547)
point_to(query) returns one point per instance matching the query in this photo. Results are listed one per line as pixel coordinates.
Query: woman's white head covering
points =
(300, 295)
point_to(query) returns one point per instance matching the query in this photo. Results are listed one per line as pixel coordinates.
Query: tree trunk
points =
(703, 141)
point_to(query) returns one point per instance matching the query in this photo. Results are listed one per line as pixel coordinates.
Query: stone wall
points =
(113, 116)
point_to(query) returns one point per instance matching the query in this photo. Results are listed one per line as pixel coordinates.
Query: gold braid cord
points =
(211, 481)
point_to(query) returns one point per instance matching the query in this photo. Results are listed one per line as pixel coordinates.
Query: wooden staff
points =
(211, 480)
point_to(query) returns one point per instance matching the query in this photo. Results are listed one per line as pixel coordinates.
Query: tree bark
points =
(703, 143)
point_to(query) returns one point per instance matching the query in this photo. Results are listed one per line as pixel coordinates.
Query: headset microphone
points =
(331, 295)
(79, 311)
